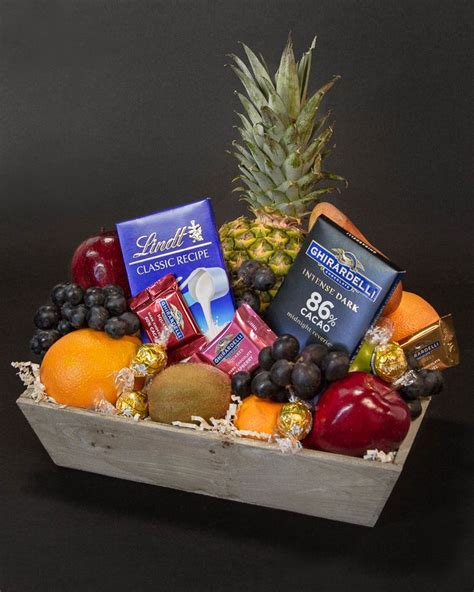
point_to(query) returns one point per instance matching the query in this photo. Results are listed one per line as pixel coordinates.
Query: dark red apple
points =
(357, 413)
(98, 261)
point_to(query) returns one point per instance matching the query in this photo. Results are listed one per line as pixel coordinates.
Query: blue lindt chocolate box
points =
(336, 288)
(182, 241)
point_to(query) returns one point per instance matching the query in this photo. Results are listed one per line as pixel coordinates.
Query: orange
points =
(79, 369)
(394, 300)
(412, 315)
(258, 415)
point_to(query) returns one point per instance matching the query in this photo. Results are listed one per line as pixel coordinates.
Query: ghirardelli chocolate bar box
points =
(182, 241)
(336, 288)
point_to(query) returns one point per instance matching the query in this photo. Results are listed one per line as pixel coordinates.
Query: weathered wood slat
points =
(309, 482)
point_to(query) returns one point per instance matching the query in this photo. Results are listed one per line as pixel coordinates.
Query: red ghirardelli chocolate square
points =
(165, 315)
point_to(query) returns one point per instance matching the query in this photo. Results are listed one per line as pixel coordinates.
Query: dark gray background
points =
(111, 110)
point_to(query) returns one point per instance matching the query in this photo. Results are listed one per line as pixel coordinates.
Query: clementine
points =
(79, 369)
(413, 314)
(258, 415)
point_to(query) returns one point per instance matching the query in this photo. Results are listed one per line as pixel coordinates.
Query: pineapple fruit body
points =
(271, 239)
(281, 152)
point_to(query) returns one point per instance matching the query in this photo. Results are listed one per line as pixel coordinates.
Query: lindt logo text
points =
(150, 244)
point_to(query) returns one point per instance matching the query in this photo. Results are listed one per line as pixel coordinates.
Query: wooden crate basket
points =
(240, 469)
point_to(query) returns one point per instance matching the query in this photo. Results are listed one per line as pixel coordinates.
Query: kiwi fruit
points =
(183, 390)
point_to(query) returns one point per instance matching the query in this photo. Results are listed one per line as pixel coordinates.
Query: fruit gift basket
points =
(276, 361)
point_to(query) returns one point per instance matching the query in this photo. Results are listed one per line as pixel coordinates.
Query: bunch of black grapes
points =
(254, 277)
(284, 371)
(426, 383)
(102, 309)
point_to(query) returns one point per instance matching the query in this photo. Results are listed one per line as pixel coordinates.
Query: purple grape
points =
(414, 390)
(94, 297)
(314, 352)
(66, 310)
(133, 322)
(415, 408)
(305, 378)
(246, 271)
(285, 347)
(251, 299)
(73, 293)
(265, 358)
(264, 279)
(35, 345)
(432, 382)
(43, 340)
(58, 295)
(280, 372)
(78, 316)
(241, 384)
(281, 396)
(335, 365)
(116, 304)
(112, 290)
(115, 327)
(97, 316)
(262, 386)
(64, 327)
(47, 316)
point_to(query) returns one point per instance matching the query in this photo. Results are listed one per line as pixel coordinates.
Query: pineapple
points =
(280, 162)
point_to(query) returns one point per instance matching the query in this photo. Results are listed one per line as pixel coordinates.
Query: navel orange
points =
(258, 415)
(413, 314)
(79, 369)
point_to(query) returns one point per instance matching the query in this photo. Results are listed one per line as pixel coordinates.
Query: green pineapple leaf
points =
(274, 151)
(271, 120)
(287, 83)
(260, 71)
(305, 121)
(255, 94)
(304, 68)
(241, 65)
(274, 172)
(333, 177)
(253, 114)
(317, 145)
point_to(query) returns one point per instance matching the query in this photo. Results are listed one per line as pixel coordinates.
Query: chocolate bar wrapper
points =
(237, 347)
(182, 241)
(336, 288)
(435, 347)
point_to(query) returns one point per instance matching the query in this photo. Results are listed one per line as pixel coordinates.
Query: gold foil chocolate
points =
(295, 420)
(132, 403)
(434, 347)
(389, 361)
(150, 359)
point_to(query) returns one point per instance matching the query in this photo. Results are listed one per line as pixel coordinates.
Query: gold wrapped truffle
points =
(389, 361)
(295, 420)
(132, 403)
(150, 359)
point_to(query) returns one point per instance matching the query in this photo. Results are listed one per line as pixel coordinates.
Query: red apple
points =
(357, 413)
(98, 261)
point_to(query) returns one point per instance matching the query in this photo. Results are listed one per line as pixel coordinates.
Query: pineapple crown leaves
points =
(282, 141)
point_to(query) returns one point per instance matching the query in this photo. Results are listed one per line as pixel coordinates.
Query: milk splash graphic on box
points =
(182, 241)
